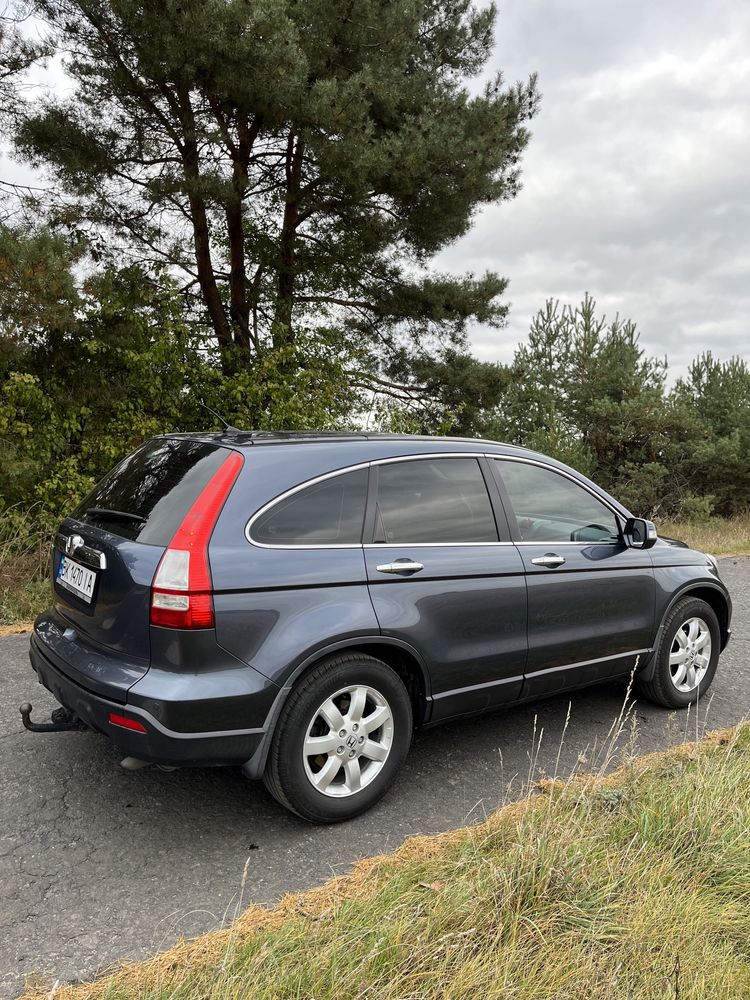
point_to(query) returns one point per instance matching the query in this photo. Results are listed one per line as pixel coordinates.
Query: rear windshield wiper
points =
(116, 515)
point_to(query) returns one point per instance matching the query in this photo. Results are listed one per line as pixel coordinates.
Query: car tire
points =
(671, 685)
(350, 694)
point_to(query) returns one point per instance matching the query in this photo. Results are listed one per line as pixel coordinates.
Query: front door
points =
(443, 579)
(591, 598)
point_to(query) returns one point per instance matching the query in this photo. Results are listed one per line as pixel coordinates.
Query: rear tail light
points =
(181, 591)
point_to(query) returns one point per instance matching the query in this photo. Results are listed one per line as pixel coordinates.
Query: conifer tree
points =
(298, 162)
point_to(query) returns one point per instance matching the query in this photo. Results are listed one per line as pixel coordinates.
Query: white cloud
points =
(636, 179)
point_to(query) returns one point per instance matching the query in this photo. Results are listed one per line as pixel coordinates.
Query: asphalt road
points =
(99, 864)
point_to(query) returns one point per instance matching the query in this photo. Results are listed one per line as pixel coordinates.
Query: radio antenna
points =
(227, 426)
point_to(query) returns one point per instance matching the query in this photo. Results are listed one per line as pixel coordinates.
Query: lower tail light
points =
(125, 722)
(181, 593)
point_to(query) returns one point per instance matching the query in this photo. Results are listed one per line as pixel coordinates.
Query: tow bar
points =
(62, 721)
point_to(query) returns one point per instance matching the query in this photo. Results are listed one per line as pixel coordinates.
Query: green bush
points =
(129, 367)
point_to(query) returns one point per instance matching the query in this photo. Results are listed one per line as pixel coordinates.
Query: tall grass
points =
(24, 564)
(717, 535)
(635, 885)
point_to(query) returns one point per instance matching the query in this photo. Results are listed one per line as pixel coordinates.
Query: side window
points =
(433, 500)
(552, 508)
(330, 512)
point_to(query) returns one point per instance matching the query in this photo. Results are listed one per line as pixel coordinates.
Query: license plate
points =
(76, 578)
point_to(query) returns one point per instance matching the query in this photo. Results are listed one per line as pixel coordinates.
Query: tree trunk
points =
(282, 327)
(238, 280)
(201, 233)
(206, 277)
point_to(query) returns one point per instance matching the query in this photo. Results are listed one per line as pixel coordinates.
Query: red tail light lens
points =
(181, 592)
(126, 723)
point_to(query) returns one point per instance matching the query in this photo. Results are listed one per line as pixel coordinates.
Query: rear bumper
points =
(159, 743)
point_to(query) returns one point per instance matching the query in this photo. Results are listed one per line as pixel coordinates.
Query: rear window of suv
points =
(146, 497)
(330, 512)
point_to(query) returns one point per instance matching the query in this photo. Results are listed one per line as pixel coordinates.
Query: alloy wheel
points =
(690, 655)
(348, 741)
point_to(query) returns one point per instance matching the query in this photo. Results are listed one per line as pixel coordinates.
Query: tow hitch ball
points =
(62, 721)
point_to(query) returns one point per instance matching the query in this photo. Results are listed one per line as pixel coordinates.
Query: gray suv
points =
(297, 603)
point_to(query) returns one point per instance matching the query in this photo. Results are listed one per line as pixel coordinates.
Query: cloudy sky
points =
(636, 180)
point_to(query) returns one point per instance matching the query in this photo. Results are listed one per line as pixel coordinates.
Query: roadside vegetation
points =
(24, 567)
(632, 885)
(721, 536)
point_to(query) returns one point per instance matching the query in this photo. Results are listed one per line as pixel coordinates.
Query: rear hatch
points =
(106, 553)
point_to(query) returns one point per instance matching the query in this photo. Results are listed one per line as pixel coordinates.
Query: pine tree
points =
(299, 163)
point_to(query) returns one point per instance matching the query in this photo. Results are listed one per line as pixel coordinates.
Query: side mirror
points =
(640, 533)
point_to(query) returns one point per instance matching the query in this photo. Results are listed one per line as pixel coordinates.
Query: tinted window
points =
(157, 485)
(433, 500)
(552, 508)
(328, 513)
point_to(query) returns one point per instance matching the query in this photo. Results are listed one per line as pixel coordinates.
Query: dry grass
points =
(633, 885)
(720, 536)
(24, 567)
(19, 628)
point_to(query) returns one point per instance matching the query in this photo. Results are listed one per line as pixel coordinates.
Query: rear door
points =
(105, 555)
(591, 598)
(289, 578)
(444, 577)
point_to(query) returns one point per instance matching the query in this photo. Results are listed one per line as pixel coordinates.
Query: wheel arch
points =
(398, 655)
(716, 599)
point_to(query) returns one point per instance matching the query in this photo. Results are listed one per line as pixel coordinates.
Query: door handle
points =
(550, 559)
(400, 566)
